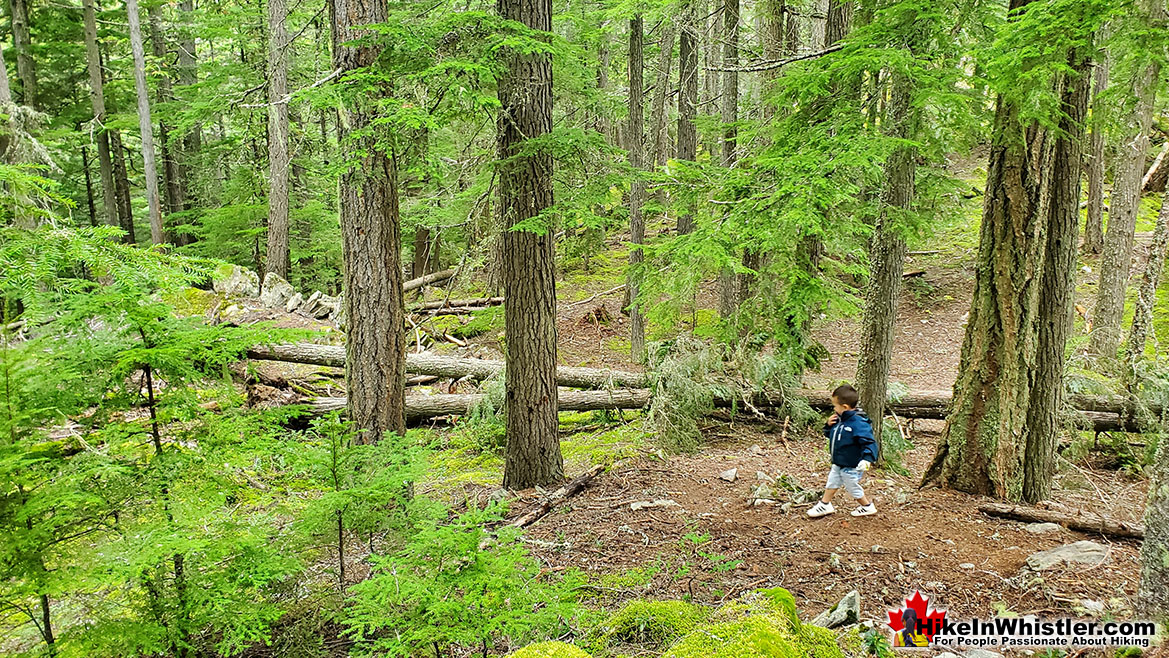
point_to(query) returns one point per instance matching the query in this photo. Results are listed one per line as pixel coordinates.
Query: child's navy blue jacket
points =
(851, 439)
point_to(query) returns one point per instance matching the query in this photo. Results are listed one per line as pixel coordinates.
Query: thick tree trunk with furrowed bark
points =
(375, 370)
(170, 177)
(1094, 225)
(710, 61)
(635, 142)
(1057, 299)
(278, 258)
(529, 268)
(886, 261)
(122, 186)
(1153, 594)
(97, 100)
(145, 126)
(658, 131)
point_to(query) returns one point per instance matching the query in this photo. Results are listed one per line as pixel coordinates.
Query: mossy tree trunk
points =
(375, 364)
(1000, 435)
(635, 141)
(1153, 594)
(1094, 226)
(1142, 319)
(529, 268)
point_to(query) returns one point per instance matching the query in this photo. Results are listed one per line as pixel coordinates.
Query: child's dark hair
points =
(846, 395)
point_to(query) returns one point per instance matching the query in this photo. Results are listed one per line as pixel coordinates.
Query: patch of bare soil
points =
(702, 538)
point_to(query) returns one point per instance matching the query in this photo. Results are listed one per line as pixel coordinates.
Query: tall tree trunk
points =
(375, 372)
(122, 186)
(97, 100)
(149, 167)
(710, 63)
(88, 184)
(1153, 593)
(1142, 318)
(728, 298)
(657, 119)
(604, 124)
(529, 267)
(170, 180)
(422, 259)
(192, 141)
(1123, 203)
(278, 258)
(1011, 334)
(887, 260)
(1057, 296)
(635, 140)
(687, 101)
(1094, 227)
(26, 66)
(839, 21)
(5, 89)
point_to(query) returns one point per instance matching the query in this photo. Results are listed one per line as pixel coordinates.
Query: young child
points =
(853, 450)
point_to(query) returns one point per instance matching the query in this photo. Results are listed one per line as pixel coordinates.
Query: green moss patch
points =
(654, 623)
(549, 650)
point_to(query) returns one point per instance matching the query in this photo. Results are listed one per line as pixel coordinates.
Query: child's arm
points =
(868, 443)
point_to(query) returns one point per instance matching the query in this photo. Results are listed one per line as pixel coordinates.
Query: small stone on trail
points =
(1081, 552)
(763, 477)
(1041, 528)
(848, 611)
(730, 475)
(756, 450)
(982, 653)
(966, 565)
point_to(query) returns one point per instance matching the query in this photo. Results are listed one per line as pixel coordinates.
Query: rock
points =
(756, 450)
(1094, 608)
(848, 611)
(330, 305)
(1042, 528)
(645, 504)
(833, 561)
(982, 653)
(276, 292)
(966, 565)
(763, 491)
(947, 654)
(763, 477)
(762, 501)
(235, 281)
(312, 305)
(294, 302)
(1081, 552)
(730, 475)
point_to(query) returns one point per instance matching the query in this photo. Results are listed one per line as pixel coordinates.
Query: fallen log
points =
(570, 489)
(450, 366)
(429, 279)
(1154, 172)
(1082, 521)
(444, 304)
(430, 406)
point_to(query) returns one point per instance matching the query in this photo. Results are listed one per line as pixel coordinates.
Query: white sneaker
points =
(821, 509)
(865, 510)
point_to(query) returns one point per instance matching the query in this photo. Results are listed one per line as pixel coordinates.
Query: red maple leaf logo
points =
(930, 619)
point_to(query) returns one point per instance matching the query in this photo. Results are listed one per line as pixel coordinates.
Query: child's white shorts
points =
(848, 478)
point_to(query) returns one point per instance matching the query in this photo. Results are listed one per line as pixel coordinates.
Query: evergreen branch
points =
(777, 63)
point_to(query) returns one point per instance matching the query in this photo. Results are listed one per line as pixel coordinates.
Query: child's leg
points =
(852, 484)
(835, 481)
(828, 495)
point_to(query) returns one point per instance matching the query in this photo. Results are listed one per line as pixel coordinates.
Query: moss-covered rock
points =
(549, 650)
(654, 623)
(759, 625)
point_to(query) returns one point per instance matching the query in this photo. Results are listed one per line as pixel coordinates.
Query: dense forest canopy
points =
(315, 311)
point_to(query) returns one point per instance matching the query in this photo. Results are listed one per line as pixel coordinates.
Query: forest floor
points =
(703, 539)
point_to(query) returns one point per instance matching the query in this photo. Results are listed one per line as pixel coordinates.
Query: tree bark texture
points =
(26, 66)
(635, 142)
(687, 101)
(279, 259)
(839, 21)
(1153, 593)
(145, 126)
(982, 448)
(1123, 203)
(728, 296)
(886, 260)
(375, 370)
(1057, 299)
(170, 179)
(97, 100)
(1094, 226)
(661, 90)
(1142, 319)
(122, 186)
(710, 64)
(529, 269)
